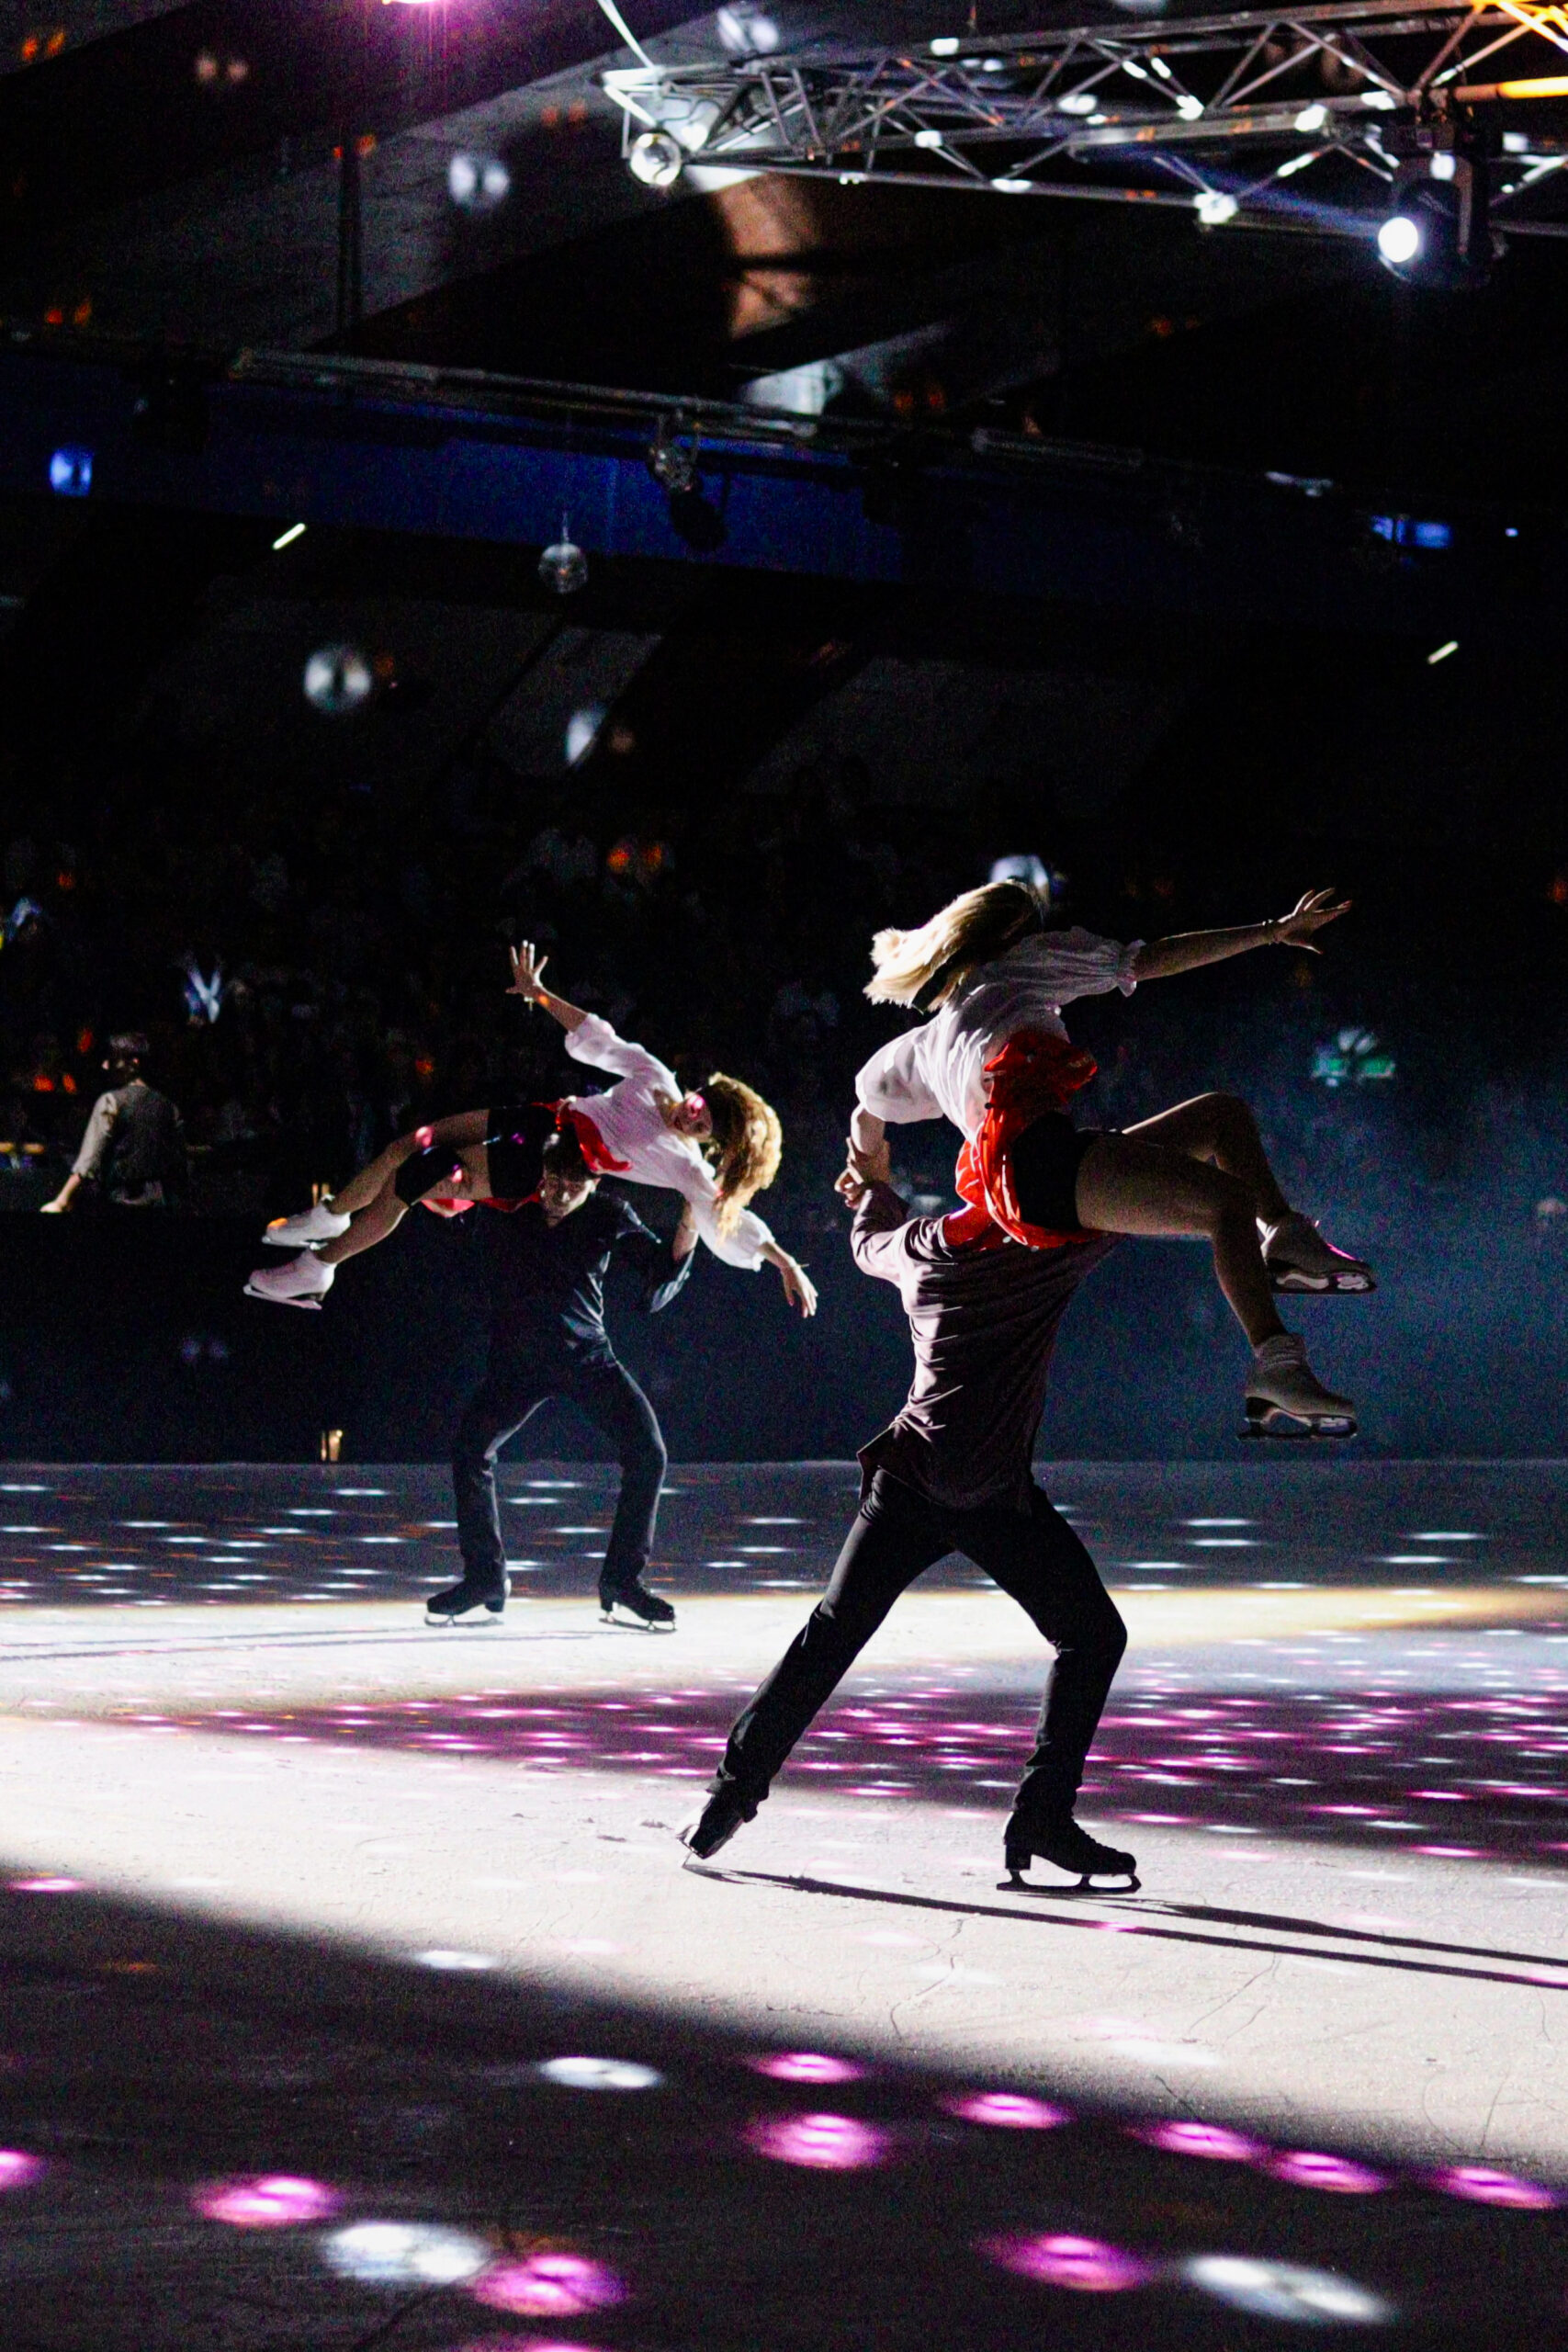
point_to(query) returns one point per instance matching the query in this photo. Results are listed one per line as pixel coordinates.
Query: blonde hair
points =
(745, 1148)
(923, 967)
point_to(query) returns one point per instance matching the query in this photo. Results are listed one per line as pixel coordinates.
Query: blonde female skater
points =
(717, 1149)
(995, 1059)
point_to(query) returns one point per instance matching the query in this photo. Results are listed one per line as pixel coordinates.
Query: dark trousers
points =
(605, 1393)
(1035, 1558)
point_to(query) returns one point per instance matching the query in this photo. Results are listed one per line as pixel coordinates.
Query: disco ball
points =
(478, 183)
(338, 680)
(564, 566)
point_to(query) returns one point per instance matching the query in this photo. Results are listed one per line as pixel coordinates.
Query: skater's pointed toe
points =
(1300, 1262)
(468, 1604)
(1066, 1846)
(725, 1812)
(300, 1281)
(1286, 1398)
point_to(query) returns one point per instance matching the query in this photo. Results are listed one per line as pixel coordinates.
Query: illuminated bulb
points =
(1013, 187)
(1284, 2290)
(1188, 108)
(1312, 117)
(945, 45)
(1078, 102)
(1443, 165)
(1215, 209)
(478, 183)
(928, 139)
(1399, 240)
(655, 159)
(338, 680)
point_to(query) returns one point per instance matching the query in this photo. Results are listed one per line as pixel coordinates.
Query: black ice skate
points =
(468, 1604)
(1286, 1398)
(725, 1812)
(632, 1604)
(1065, 1846)
(1300, 1261)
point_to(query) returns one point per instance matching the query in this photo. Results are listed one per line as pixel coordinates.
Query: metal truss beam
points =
(1219, 112)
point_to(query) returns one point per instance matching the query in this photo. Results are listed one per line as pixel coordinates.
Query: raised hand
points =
(1309, 915)
(527, 971)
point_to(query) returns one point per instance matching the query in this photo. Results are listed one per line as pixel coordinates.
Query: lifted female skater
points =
(997, 1061)
(717, 1149)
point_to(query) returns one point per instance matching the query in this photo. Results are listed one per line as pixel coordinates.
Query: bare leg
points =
(1130, 1184)
(1221, 1129)
(463, 1127)
(464, 1177)
(372, 1224)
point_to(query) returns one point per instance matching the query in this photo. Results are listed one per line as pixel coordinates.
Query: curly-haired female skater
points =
(995, 1059)
(717, 1149)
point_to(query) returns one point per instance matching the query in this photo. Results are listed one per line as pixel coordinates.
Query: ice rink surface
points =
(355, 1993)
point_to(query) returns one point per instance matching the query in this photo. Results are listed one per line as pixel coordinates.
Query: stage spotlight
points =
(745, 30)
(563, 566)
(71, 473)
(478, 183)
(338, 680)
(582, 730)
(1436, 233)
(656, 159)
(1215, 209)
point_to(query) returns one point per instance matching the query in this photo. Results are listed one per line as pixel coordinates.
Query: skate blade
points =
(1291, 1283)
(1273, 1420)
(631, 1624)
(469, 1617)
(1015, 1884)
(270, 1298)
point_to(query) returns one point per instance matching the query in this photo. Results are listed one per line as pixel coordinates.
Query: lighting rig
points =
(1336, 119)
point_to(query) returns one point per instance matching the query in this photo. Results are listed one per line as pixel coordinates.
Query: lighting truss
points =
(1217, 113)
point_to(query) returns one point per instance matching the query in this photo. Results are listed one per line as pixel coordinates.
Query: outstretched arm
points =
(528, 981)
(1158, 959)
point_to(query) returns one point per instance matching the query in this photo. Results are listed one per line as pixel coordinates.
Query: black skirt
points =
(1046, 1160)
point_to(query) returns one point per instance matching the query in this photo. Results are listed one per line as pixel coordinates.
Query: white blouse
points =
(937, 1071)
(628, 1117)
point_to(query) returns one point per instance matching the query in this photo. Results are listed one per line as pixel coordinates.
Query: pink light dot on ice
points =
(1008, 2110)
(266, 2201)
(806, 2067)
(548, 2286)
(45, 1885)
(1211, 2140)
(19, 2170)
(1485, 2187)
(1305, 2169)
(823, 2142)
(1082, 2263)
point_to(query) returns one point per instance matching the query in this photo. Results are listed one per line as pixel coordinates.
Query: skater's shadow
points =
(1146, 1918)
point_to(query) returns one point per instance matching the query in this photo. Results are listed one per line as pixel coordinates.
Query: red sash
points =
(1034, 1072)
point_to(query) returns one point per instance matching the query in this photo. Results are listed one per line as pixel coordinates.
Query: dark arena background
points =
(690, 490)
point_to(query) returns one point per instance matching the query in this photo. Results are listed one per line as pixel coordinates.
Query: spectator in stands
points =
(134, 1150)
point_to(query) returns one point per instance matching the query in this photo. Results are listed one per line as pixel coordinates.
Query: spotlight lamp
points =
(656, 159)
(1214, 207)
(1436, 231)
(563, 566)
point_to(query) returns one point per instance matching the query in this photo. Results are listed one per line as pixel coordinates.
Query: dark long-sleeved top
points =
(982, 1320)
(547, 1282)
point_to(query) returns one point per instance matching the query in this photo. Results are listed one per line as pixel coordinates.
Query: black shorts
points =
(512, 1149)
(1046, 1160)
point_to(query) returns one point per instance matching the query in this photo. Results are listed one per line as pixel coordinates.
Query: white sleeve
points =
(594, 1041)
(892, 1085)
(1078, 963)
(96, 1142)
(744, 1245)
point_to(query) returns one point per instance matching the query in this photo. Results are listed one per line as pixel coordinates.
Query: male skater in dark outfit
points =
(953, 1473)
(549, 1256)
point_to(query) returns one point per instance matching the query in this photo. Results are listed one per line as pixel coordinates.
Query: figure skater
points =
(995, 1059)
(717, 1149)
(954, 1473)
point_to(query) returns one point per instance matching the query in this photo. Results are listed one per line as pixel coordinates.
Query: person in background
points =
(133, 1153)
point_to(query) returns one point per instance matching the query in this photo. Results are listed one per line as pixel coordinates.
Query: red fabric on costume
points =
(1034, 1072)
(601, 1159)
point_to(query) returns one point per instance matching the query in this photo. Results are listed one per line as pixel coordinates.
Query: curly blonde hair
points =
(745, 1146)
(923, 967)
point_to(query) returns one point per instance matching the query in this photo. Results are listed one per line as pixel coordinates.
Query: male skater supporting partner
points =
(548, 1259)
(954, 1473)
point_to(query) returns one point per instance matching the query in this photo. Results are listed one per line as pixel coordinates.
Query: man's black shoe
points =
(1068, 1847)
(725, 1812)
(468, 1604)
(632, 1604)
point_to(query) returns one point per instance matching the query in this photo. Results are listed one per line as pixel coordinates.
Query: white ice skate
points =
(1299, 1259)
(308, 1229)
(1286, 1398)
(302, 1282)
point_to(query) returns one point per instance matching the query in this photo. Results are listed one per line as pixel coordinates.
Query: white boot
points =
(1299, 1259)
(1282, 1390)
(303, 1232)
(302, 1282)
